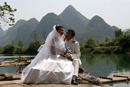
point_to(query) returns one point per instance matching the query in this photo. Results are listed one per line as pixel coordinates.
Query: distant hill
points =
(47, 22)
(25, 30)
(11, 33)
(2, 32)
(74, 18)
(97, 28)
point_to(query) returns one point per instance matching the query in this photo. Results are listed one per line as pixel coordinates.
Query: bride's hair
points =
(58, 27)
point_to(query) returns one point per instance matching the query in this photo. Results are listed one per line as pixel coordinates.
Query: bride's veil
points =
(53, 45)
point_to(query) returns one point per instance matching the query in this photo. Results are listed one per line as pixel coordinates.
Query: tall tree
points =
(107, 39)
(20, 44)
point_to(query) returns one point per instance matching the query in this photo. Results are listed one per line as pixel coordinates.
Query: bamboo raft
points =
(9, 63)
(114, 78)
(6, 77)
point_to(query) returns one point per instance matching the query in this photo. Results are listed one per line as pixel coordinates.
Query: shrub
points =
(9, 49)
(19, 50)
(33, 47)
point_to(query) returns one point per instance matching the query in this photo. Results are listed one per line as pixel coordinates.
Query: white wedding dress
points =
(48, 66)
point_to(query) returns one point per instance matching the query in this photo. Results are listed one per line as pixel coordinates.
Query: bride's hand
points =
(73, 40)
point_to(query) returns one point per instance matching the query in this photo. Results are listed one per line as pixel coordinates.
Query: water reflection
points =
(106, 64)
(13, 70)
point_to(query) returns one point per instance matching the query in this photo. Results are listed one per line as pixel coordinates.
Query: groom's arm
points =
(76, 54)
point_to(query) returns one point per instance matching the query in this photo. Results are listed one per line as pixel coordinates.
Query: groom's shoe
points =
(74, 80)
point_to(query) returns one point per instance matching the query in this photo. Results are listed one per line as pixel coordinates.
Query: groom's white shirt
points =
(74, 47)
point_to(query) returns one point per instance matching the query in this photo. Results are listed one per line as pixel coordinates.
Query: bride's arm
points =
(52, 47)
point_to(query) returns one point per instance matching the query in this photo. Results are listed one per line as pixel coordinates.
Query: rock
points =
(85, 77)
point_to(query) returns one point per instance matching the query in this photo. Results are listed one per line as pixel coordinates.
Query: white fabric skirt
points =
(55, 69)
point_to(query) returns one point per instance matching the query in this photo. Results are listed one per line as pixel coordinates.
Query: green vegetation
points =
(9, 49)
(119, 44)
(32, 49)
(6, 14)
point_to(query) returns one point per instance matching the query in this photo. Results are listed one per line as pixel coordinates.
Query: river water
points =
(97, 65)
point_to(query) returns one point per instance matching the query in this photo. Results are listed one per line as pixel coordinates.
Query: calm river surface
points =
(97, 65)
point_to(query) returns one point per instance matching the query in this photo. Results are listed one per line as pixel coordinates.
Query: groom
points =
(75, 56)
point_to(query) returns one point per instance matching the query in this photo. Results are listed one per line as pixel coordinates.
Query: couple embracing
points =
(49, 66)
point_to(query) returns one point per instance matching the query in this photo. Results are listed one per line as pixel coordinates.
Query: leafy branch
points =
(6, 14)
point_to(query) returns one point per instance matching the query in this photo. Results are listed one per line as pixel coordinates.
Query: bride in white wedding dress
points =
(48, 66)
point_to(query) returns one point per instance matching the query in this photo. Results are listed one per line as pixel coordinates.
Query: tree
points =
(90, 43)
(20, 44)
(33, 46)
(118, 33)
(9, 49)
(124, 42)
(107, 39)
(6, 14)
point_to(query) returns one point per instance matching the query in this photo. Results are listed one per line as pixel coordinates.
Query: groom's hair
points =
(72, 32)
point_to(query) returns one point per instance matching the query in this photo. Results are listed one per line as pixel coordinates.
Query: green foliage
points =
(107, 39)
(90, 43)
(124, 43)
(101, 44)
(1, 51)
(19, 50)
(118, 33)
(112, 49)
(20, 44)
(127, 32)
(33, 47)
(9, 49)
(96, 51)
(6, 14)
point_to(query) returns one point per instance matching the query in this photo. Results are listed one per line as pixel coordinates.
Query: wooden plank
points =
(6, 65)
(127, 76)
(113, 79)
(121, 76)
(8, 76)
(116, 79)
(2, 78)
(104, 80)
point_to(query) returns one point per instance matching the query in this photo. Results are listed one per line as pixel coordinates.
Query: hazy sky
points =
(114, 12)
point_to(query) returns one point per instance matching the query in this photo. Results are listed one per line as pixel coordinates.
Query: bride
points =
(48, 66)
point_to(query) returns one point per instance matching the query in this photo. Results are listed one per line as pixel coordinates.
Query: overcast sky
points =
(114, 12)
